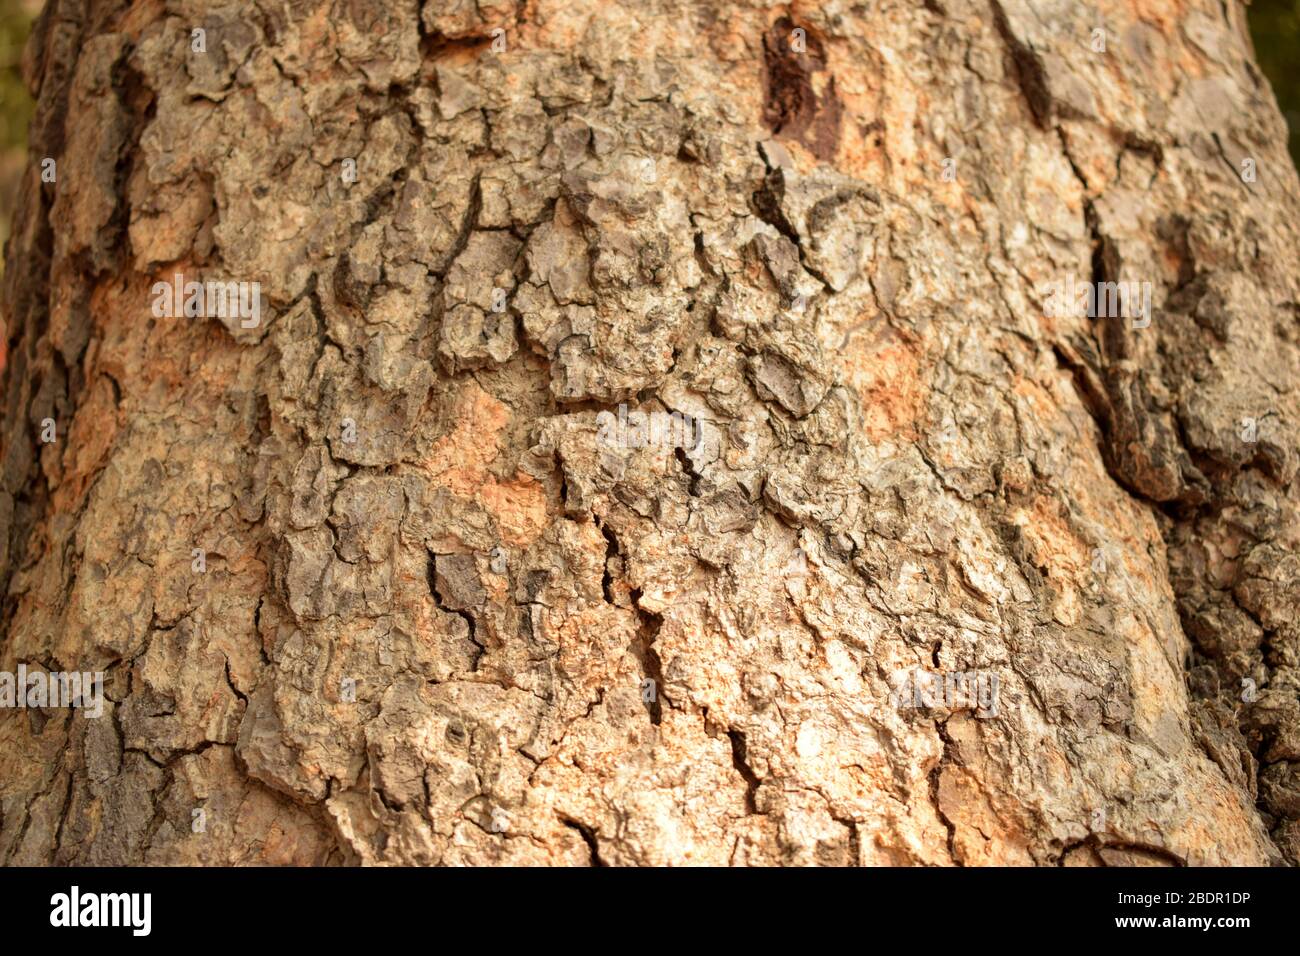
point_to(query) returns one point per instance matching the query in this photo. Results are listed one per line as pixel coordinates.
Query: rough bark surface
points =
(688, 211)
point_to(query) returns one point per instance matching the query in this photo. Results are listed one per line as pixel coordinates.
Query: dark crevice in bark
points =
(611, 554)
(935, 773)
(1090, 841)
(435, 45)
(701, 258)
(739, 755)
(651, 665)
(766, 203)
(647, 631)
(1091, 395)
(233, 689)
(588, 837)
(469, 223)
(138, 102)
(1027, 68)
(432, 573)
(693, 478)
(159, 799)
(63, 820)
(855, 839)
(1153, 851)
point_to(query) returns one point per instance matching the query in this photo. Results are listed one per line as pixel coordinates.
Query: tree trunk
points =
(656, 438)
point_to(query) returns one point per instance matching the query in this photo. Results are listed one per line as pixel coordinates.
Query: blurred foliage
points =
(15, 104)
(1275, 28)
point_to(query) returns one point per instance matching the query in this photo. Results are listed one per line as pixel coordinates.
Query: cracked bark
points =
(905, 462)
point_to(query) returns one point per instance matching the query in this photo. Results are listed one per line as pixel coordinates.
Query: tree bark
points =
(395, 575)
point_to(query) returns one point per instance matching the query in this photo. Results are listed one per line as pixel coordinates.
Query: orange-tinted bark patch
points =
(460, 461)
(1053, 545)
(887, 379)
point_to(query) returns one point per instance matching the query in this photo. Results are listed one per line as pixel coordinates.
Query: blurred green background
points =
(15, 105)
(1274, 24)
(1275, 28)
